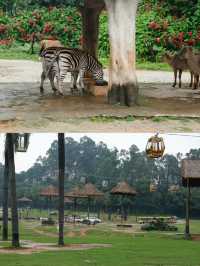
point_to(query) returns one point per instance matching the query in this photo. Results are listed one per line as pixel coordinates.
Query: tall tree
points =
(61, 165)
(123, 80)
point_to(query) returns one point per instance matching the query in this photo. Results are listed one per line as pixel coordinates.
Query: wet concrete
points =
(23, 108)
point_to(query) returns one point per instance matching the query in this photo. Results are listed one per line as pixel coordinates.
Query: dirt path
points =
(22, 108)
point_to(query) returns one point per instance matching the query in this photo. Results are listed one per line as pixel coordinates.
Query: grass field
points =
(133, 248)
(22, 53)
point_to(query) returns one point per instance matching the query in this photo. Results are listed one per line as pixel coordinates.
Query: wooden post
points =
(89, 207)
(123, 87)
(61, 177)
(187, 223)
(14, 211)
(5, 194)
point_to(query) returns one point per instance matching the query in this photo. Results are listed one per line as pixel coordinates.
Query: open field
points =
(125, 248)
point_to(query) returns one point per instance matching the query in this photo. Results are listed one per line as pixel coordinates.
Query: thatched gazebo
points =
(49, 192)
(24, 202)
(123, 85)
(75, 194)
(123, 189)
(190, 173)
(90, 192)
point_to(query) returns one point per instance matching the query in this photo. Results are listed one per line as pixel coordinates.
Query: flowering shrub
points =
(158, 29)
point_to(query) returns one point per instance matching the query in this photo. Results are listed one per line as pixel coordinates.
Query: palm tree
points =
(11, 172)
(61, 166)
(5, 193)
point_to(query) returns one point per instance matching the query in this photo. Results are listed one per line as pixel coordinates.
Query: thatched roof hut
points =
(190, 172)
(49, 191)
(90, 191)
(75, 193)
(24, 200)
(123, 188)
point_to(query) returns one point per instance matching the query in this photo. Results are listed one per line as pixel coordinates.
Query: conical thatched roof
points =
(89, 190)
(24, 199)
(68, 201)
(75, 193)
(123, 188)
(49, 191)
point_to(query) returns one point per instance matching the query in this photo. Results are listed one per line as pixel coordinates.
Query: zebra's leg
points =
(51, 78)
(60, 84)
(74, 77)
(43, 77)
(81, 83)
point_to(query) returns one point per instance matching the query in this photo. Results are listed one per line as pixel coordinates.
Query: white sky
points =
(40, 143)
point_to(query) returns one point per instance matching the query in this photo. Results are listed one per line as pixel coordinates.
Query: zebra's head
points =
(96, 69)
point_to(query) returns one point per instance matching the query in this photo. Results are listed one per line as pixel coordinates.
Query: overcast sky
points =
(40, 143)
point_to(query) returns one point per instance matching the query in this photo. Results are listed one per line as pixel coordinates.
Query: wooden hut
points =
(190, 172)
(90, 192)
(123, 189)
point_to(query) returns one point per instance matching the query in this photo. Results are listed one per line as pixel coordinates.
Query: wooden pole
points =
(14, 211)
(187, 224)
(5, 194)
(61, 165)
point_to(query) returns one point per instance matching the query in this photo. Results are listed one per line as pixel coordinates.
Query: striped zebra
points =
(58, 61)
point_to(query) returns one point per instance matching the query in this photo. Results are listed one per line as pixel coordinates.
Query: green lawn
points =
(22, 53)
(127, 249)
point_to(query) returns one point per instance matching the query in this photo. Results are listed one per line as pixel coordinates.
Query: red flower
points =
(65, 29)
(190, 33)
(158, 40)
(191, 42)
(153, 25)
(48, 27)
(3, 28)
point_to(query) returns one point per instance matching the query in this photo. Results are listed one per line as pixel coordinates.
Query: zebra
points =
(58, 61)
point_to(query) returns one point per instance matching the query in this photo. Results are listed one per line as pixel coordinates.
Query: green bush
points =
(160, 27)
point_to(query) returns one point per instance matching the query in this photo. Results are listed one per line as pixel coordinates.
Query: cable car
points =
(155, 147)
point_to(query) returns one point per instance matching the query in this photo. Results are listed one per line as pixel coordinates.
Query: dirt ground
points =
(22, 108)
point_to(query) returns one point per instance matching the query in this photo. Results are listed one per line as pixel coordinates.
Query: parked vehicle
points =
(91, 221)
(158, 225)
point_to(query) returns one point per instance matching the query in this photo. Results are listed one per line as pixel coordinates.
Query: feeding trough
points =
(155, 147)
(123, 189)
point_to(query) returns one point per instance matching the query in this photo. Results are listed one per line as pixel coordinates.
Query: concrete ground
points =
(22, 108)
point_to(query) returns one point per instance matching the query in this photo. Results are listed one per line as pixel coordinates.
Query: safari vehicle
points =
(158, 225)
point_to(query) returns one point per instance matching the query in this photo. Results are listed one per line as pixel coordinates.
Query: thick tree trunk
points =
(61, 162)
(90, 28)
(5, 194)
(122, 77)
(14, 212)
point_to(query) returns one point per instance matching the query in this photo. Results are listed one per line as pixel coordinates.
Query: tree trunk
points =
(14, 212)
(5, 194)
(61, 162)
(90, 28)
(123, 85)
